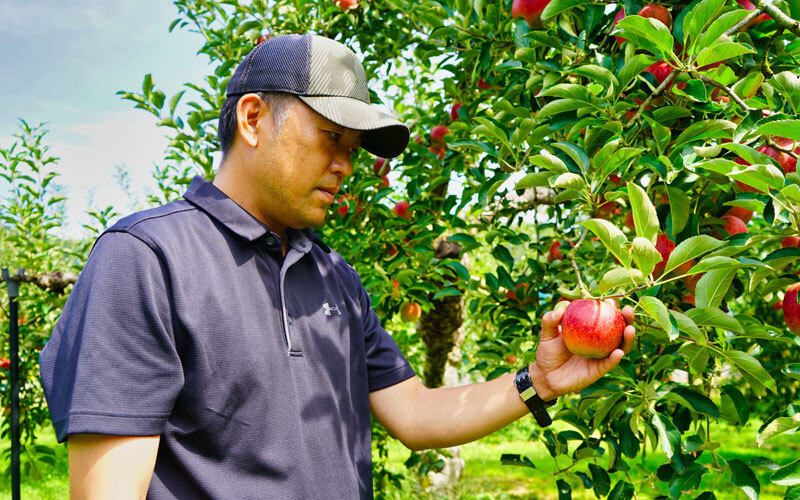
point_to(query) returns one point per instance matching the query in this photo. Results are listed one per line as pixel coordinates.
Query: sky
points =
(64, 61)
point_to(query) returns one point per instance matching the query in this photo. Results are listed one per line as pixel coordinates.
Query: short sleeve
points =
(110, 365)
(386, 365)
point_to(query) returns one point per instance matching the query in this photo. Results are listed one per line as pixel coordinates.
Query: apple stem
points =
(571, 255)
(647, 101)
(778, 16)
(724, 88)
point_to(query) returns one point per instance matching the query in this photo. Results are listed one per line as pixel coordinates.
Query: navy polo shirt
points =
(254, 368)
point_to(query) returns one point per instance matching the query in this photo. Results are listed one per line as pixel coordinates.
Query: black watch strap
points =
(532, 400)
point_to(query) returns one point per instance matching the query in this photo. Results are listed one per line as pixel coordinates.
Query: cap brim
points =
(383, 135)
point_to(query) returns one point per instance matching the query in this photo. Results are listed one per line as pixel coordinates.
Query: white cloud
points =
(88, 154)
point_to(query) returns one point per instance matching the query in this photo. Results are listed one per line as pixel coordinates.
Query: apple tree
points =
(572, 149)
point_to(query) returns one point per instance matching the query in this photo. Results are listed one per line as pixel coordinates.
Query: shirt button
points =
(289, 318)
(270, 241)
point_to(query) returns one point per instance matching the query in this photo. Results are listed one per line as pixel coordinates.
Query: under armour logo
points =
(328, 309)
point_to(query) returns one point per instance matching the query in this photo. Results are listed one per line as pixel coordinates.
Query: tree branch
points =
(54, 282)
(738, 100)
(744, 22)
(647, 101)
(781, 19)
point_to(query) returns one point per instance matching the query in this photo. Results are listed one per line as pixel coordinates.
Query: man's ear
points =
(249, 113)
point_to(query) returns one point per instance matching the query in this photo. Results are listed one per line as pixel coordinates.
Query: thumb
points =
(550, 322)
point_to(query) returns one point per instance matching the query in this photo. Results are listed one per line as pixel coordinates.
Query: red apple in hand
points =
(5, 364)
(791, 309)
(658, 13)
(531, 10)
(592, 328)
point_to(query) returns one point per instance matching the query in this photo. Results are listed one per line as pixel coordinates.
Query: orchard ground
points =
(485, 478)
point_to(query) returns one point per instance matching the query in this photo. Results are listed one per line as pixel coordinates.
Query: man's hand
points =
(557, 371)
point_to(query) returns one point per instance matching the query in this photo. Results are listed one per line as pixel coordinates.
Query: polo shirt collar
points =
(230, 214)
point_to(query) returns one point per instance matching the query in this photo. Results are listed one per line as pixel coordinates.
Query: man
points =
(214, 347)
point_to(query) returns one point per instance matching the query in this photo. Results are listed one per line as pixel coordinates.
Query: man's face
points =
(301, 169)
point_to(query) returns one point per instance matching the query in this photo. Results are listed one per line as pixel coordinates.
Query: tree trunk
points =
(442, 333)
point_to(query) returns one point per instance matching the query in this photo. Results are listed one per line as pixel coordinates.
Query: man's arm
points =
(102, 466)
(423, 418)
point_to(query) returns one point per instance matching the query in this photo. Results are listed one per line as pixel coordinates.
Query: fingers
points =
(606, 364)
(550, 322)
(627, 313)
(628, 336)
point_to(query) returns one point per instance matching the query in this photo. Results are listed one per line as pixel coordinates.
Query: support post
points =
(12, 283)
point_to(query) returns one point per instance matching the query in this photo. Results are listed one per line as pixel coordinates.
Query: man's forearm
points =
(449, 416)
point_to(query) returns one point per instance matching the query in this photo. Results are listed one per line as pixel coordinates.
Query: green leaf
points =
(600, 479)
(668, 435)
(644, 213)
(744, 477)
(705, 129)
(447, 292)
(752, 370)
(611, 237)
(778, 426)
(569, 181)
(645, 255)
(691, 248)
(647, 33)
(598, 74)
(687, 326)
(699, 17)
(720, 25)
(173, 102)
(575, 153)
(620, 277)
(716, 262)
(792, 370)
(516, 460)
(713, 286)
(678, 209)
(788, 475)
(722, 51)
(711, 316)
(556, 7)
(535, 179)
(782, 128)
(697, 356)
(549, 161)
(623, 490)
(735, 408)
(696, 401)
(558, 106)
(658, 311)
(633, 67)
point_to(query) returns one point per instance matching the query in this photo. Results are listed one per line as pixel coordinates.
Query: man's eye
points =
(334, 135)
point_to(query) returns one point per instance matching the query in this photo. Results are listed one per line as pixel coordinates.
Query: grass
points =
(485, 478)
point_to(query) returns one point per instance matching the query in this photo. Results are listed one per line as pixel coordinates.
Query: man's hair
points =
(279, 104)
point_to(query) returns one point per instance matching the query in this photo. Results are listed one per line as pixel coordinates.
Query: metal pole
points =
(12, 283)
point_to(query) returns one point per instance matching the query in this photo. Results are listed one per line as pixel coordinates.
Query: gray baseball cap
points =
(329, 78)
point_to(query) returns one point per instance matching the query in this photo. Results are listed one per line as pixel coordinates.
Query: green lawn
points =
(484, 478)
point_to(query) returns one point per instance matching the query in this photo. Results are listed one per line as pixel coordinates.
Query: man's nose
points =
(342, 163)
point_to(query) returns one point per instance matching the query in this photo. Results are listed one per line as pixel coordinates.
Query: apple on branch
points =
(410, 312)
(791, 309)
(530, 10)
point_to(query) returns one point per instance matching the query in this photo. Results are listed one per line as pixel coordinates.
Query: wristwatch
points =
(532, 400)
